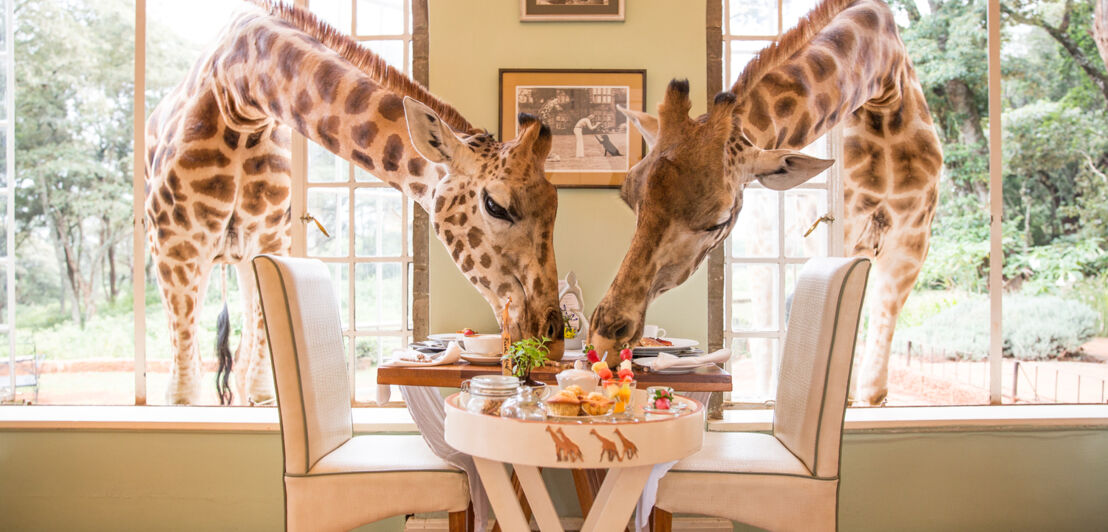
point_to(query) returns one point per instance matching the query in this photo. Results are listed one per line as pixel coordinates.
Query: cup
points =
(653, 331)
(483, 344)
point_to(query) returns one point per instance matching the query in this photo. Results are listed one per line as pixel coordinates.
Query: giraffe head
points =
(494, 211)
(686, 194)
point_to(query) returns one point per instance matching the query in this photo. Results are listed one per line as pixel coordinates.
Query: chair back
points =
(309, 365)
(816, 360)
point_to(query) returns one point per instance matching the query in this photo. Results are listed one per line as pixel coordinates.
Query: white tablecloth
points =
(429, 413)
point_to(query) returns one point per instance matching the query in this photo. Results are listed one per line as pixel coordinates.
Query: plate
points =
(481, 360)
(675, 409)
(678, 344)
(579, 418)
(648, 362)
(446, 337)
(572, 355)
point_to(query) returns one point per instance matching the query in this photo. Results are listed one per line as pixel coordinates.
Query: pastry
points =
(564, 403)
(596, 404)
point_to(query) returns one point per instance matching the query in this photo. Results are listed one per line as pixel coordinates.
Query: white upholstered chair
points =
(333, 479)
(787, 480)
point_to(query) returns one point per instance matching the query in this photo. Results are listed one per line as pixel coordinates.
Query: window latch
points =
(309, 218)
(825, 218)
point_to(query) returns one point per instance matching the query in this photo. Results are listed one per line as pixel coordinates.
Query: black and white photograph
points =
(571, 10)
(590, 134)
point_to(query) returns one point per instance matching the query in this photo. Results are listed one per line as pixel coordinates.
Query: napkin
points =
(666, 360)
(411, 357)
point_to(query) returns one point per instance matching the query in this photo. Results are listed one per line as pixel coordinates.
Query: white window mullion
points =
(138, 243)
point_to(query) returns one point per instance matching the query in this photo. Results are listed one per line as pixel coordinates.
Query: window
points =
(1019, 232)
(770, 240)
(77, 270)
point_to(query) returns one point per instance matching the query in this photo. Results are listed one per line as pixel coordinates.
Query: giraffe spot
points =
(263, 41)
(272, 163)
(875, 123)
(417, 189)
(202, 121)
(358, 99)
(183, 279)
(165, 273)
(784, 106)
(289, 64)
(800, 134)
(254, 138)
(167, 196)
(456, 253)
(274, 218)
(908, 203)
(821, 64)
(327, 78)
(182, 252)
(256, 194)
(211, 217)
(486, 260)
(231, 138)
(536, 285)
(270, 243)
(544, 253)
(757, 115)
(908, 175)
(281, 136)
(363, 134)
(448, 236)
(781, 137)
(842, 39)
(202, 158)
(866, 18)
(181, 218)
(502, 289)
(484, 281)
(439, 203)
(391, 107)
(394, 150)
(363, 160)
(474, 235)
(328, 130)
(220, 187)
(416, 165)
(467, 264)
(240, 52)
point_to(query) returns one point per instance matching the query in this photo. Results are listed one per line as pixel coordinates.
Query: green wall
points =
(469, 45)
(52, 480)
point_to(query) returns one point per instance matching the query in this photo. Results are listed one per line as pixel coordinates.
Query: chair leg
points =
(661, 520)
(471, 516)
(458, 522)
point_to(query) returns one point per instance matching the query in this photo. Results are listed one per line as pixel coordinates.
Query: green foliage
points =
(1034, 328)
(526, 355)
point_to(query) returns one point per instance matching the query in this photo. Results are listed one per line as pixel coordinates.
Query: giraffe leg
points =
(253, 372)
(182, 295)
(894, 274)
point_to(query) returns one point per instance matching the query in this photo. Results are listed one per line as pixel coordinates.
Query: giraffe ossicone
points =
(844, 63)
(218, 176)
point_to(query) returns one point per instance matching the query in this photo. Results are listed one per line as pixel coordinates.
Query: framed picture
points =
(572, 10)
(594, 144)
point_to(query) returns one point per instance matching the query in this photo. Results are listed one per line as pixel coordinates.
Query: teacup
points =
(483, 344)
(653, 331)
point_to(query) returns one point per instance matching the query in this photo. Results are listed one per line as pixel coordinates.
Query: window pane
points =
(741, 54)
(326, 167)
(392, 51)
(340, 283)
(755, 232)
(792, 10)
(753, 17)
(378, 220)
(369, 351)
(802, 209)
(363, 176)
(335, 12)
(753, 367)
(754, 297)
(329, 206)
(377, 296)
(380, 17)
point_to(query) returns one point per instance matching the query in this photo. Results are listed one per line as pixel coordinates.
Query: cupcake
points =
(564, 403)
(596, 404)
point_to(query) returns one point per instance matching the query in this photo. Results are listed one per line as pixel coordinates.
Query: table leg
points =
(519, 497)
(539, 498)
(501, 495)
(616, 499)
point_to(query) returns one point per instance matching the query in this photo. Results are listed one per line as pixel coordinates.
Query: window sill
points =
(938, 418)
(375, 420)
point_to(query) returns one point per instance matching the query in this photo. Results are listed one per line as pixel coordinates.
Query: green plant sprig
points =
(528, 354)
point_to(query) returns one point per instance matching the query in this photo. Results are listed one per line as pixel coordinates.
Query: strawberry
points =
(592, 356)
(625, 354)
(661, 403)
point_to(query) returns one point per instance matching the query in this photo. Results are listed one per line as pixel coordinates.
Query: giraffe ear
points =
(536, 134)
(644, 122)
(785, 169)
(432, 138)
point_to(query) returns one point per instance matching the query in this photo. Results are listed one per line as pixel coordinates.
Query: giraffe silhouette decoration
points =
(844, 63)
(218, 178)
(630, 450)
(608, 448)
(566, 450)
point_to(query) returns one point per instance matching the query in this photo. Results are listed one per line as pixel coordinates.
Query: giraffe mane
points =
(363, 59)
(790, 43)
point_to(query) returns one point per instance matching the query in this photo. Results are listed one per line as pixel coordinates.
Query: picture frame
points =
(594, 144)
(571, 10)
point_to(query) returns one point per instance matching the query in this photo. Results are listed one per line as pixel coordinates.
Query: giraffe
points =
(608, 448)
(843, 63)
(218, 177)
(564, 447)
(630, 450)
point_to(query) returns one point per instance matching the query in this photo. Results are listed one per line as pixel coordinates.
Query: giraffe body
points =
(843, 64)
(219, 183)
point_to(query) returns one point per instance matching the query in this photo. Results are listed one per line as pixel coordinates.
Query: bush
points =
(1034, 328)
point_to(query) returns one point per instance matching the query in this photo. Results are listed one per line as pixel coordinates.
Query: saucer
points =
(481, 360)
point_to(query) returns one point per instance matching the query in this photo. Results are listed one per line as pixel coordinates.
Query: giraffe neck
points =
(855, 60)
(267, 71)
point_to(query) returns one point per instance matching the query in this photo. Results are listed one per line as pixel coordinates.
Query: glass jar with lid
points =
(525, 404)
(485, 394)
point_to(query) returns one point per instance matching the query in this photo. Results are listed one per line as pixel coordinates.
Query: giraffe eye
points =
(718, 227)
(495, 210)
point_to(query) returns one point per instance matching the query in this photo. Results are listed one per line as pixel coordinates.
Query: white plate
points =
(481, 360)
(571, 355)
(676, 369)
(446, 337)
(678, 344)
(579, 418)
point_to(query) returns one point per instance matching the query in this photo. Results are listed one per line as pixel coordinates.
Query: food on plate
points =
(576, 390)
(647, 341)
(596, 404)
(564, 403)
(590, 353)
(625, 354)
(467, 332)
(661, 397)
